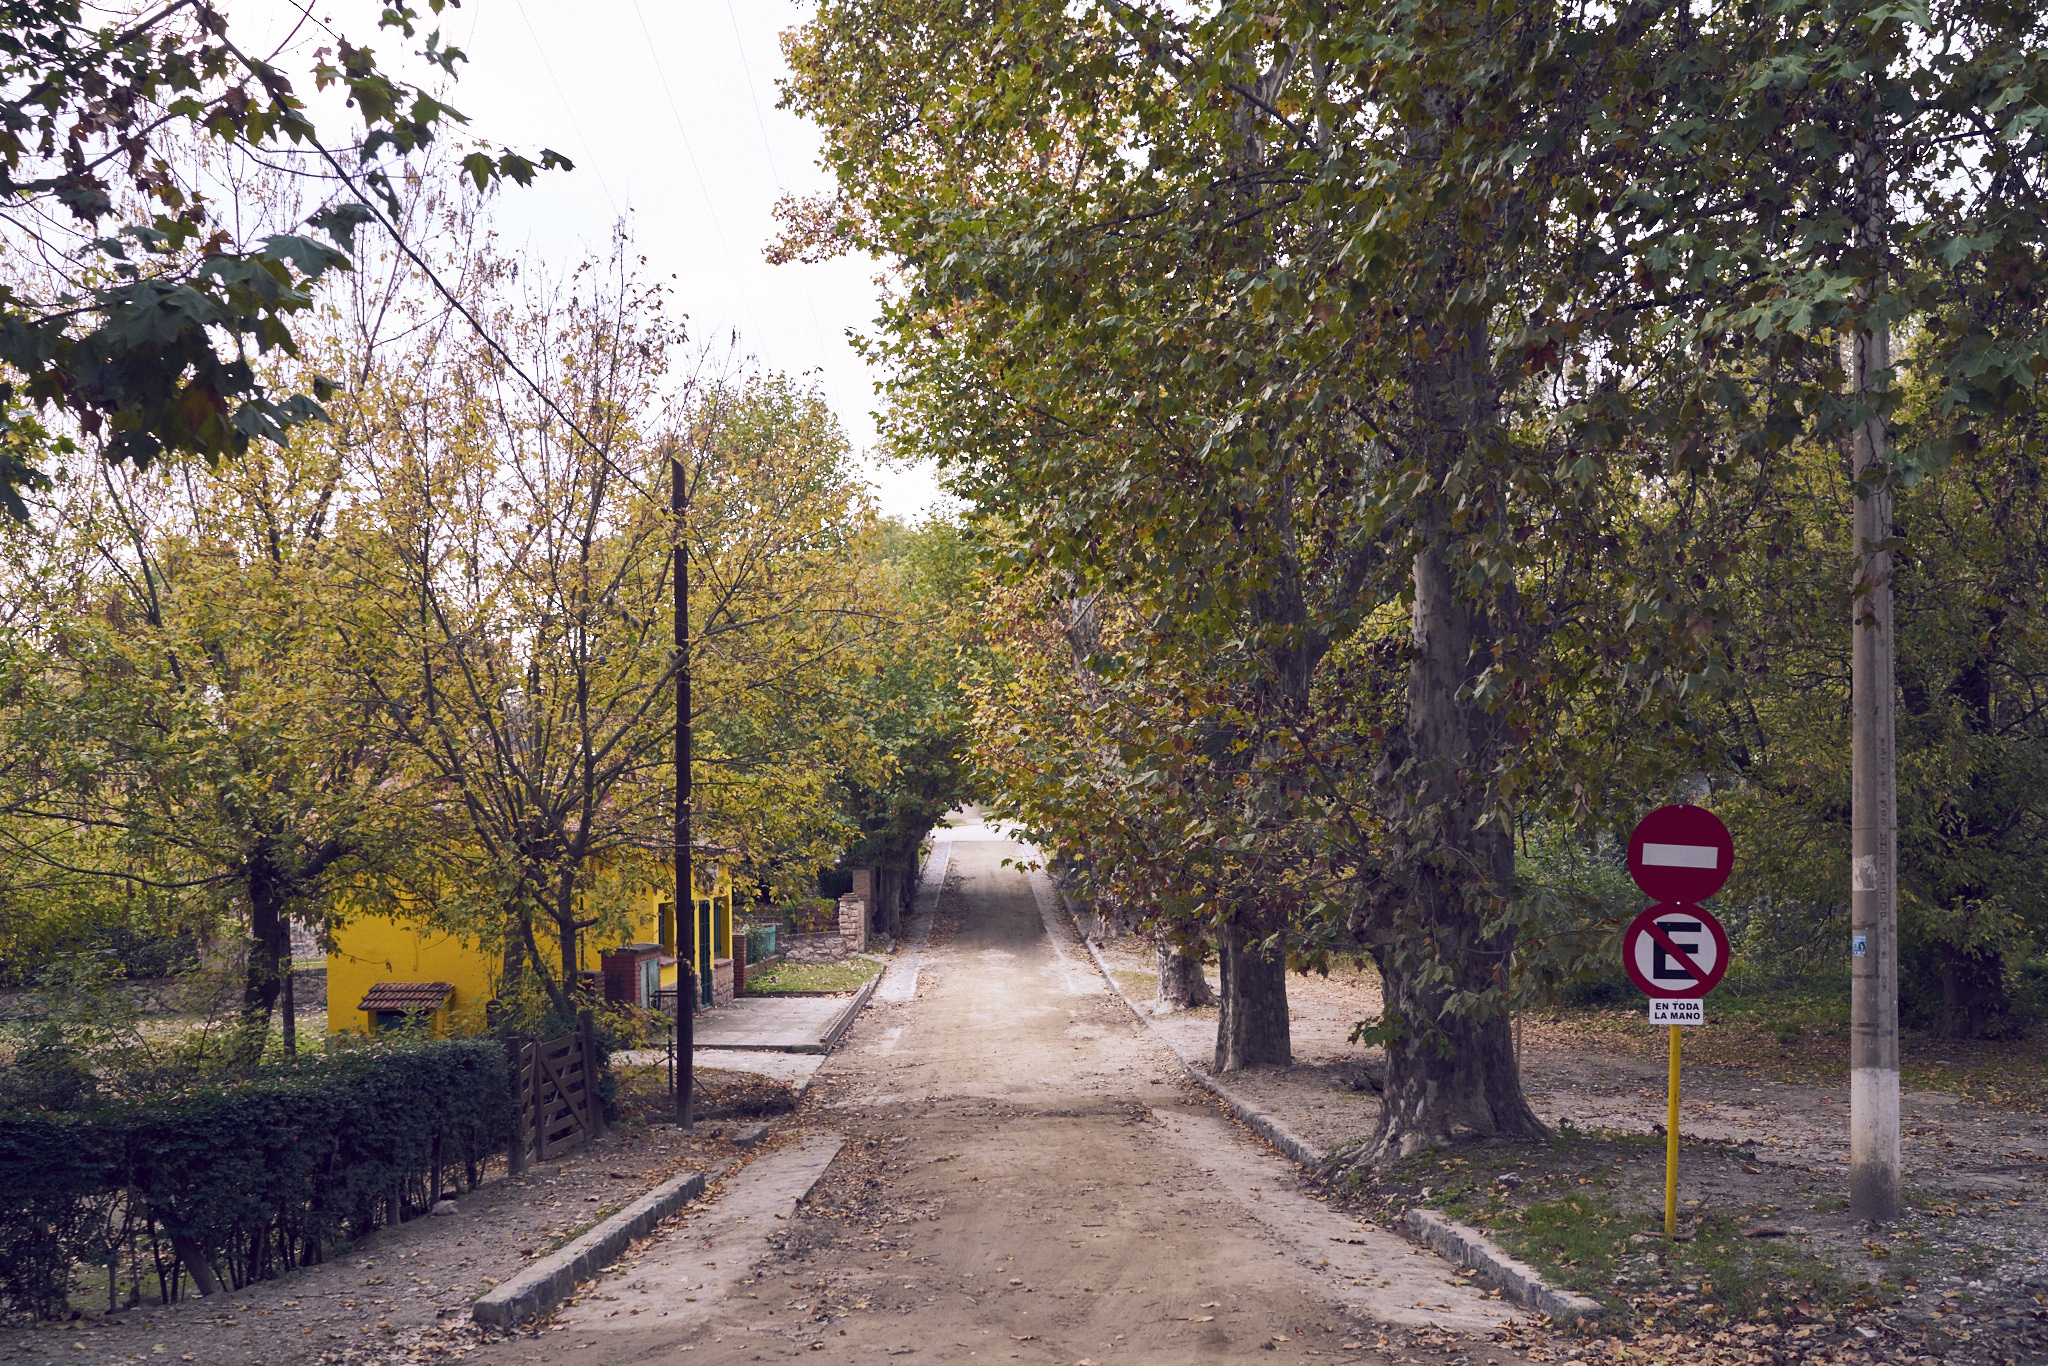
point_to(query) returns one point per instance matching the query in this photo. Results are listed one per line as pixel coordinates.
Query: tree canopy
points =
(1409, 383)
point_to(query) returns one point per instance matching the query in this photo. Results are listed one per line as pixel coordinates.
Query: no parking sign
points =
(1675, 952)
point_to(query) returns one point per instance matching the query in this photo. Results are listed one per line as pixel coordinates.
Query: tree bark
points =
(195, 1262)
(1974, 1001)
(1449, 1076)
(269, 945)
(1251, 1027)
(1181, 983)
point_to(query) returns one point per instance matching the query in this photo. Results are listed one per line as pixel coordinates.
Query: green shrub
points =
(257, 1175)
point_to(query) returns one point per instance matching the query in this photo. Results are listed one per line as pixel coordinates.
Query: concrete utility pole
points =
(686, 901)
(1874, 888)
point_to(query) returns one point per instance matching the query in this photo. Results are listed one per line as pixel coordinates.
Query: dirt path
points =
(1971, 1251)
(1021, 1180)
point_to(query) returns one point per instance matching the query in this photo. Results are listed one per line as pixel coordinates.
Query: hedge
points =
(240, 1181)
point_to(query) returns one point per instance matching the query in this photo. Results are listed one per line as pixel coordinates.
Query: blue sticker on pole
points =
(1859, 945)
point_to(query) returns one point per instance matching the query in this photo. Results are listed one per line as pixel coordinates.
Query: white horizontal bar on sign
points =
(1681, 855)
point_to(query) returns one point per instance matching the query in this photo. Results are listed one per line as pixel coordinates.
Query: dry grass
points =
(1801, 1039)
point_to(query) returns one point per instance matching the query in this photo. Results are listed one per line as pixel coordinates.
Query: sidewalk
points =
(1313, 1106)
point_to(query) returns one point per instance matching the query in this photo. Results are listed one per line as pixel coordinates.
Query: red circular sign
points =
(1680, 853)
(1675, 951)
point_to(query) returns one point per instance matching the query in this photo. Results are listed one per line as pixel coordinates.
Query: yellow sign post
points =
(1671, 1146)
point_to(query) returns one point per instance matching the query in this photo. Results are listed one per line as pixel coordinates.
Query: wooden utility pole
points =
(686, 901)
(1873, 851)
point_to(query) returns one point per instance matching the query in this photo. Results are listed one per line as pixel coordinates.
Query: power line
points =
(761, 121)
(570, 109)
(710, 204)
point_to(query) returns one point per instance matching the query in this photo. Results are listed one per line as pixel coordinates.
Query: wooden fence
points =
(554, 1094)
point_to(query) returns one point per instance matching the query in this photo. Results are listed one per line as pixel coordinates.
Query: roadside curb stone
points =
(1517, 1280)
(1456, 1242)
(844, 1020)
(539, 1288)
(1258, 1121)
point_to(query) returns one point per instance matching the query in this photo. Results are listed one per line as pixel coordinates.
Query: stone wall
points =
(853, 923)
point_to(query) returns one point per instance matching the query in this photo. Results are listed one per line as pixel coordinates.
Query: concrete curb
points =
(1519, 1281)
(1258, 1121)
(844, 1020)
(551, 1280)
(1446, 1237)
(899, 981)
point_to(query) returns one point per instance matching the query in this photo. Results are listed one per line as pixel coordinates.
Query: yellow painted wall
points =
(376, 948)
(373, 949)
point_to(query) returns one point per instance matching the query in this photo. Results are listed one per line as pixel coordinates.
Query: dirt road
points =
(1019, 1180)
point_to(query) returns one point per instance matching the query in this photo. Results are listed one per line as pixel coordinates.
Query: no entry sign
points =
(1680, 854)
(1675, 952)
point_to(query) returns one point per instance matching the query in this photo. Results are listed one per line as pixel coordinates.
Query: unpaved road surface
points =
(1021, 1180)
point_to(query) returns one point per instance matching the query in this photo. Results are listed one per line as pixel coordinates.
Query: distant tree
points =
(511, 591)
(907, 697)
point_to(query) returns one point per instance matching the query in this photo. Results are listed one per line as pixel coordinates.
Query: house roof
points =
(406, 996)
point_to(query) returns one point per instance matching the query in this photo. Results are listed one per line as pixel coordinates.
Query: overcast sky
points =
(668, 109)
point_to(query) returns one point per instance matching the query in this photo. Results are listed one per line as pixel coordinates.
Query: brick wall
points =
(721, 982)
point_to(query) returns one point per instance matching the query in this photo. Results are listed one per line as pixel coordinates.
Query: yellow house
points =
(385, 971)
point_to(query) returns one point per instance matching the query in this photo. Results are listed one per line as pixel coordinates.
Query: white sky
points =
(667, 107)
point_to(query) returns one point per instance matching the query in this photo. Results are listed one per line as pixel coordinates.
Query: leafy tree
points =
(1450, 350)
(150, 338)
(912, 765)
(1111, 328)
(511, 596)
(196, 735)
(1970, 739)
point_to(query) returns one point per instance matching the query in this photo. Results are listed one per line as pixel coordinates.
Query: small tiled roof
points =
(406, 996)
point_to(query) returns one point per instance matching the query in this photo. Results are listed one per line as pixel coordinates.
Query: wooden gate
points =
(554, 1091)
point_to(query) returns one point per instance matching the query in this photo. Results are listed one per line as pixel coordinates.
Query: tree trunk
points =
(1974, 1002)
(566, 930)
(288, 1002)
(1181, 983)
(196, 1263)
(1251, 1027)
(1452, 1077)
(269, 946)
(557, 992)
(1449, 1076)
